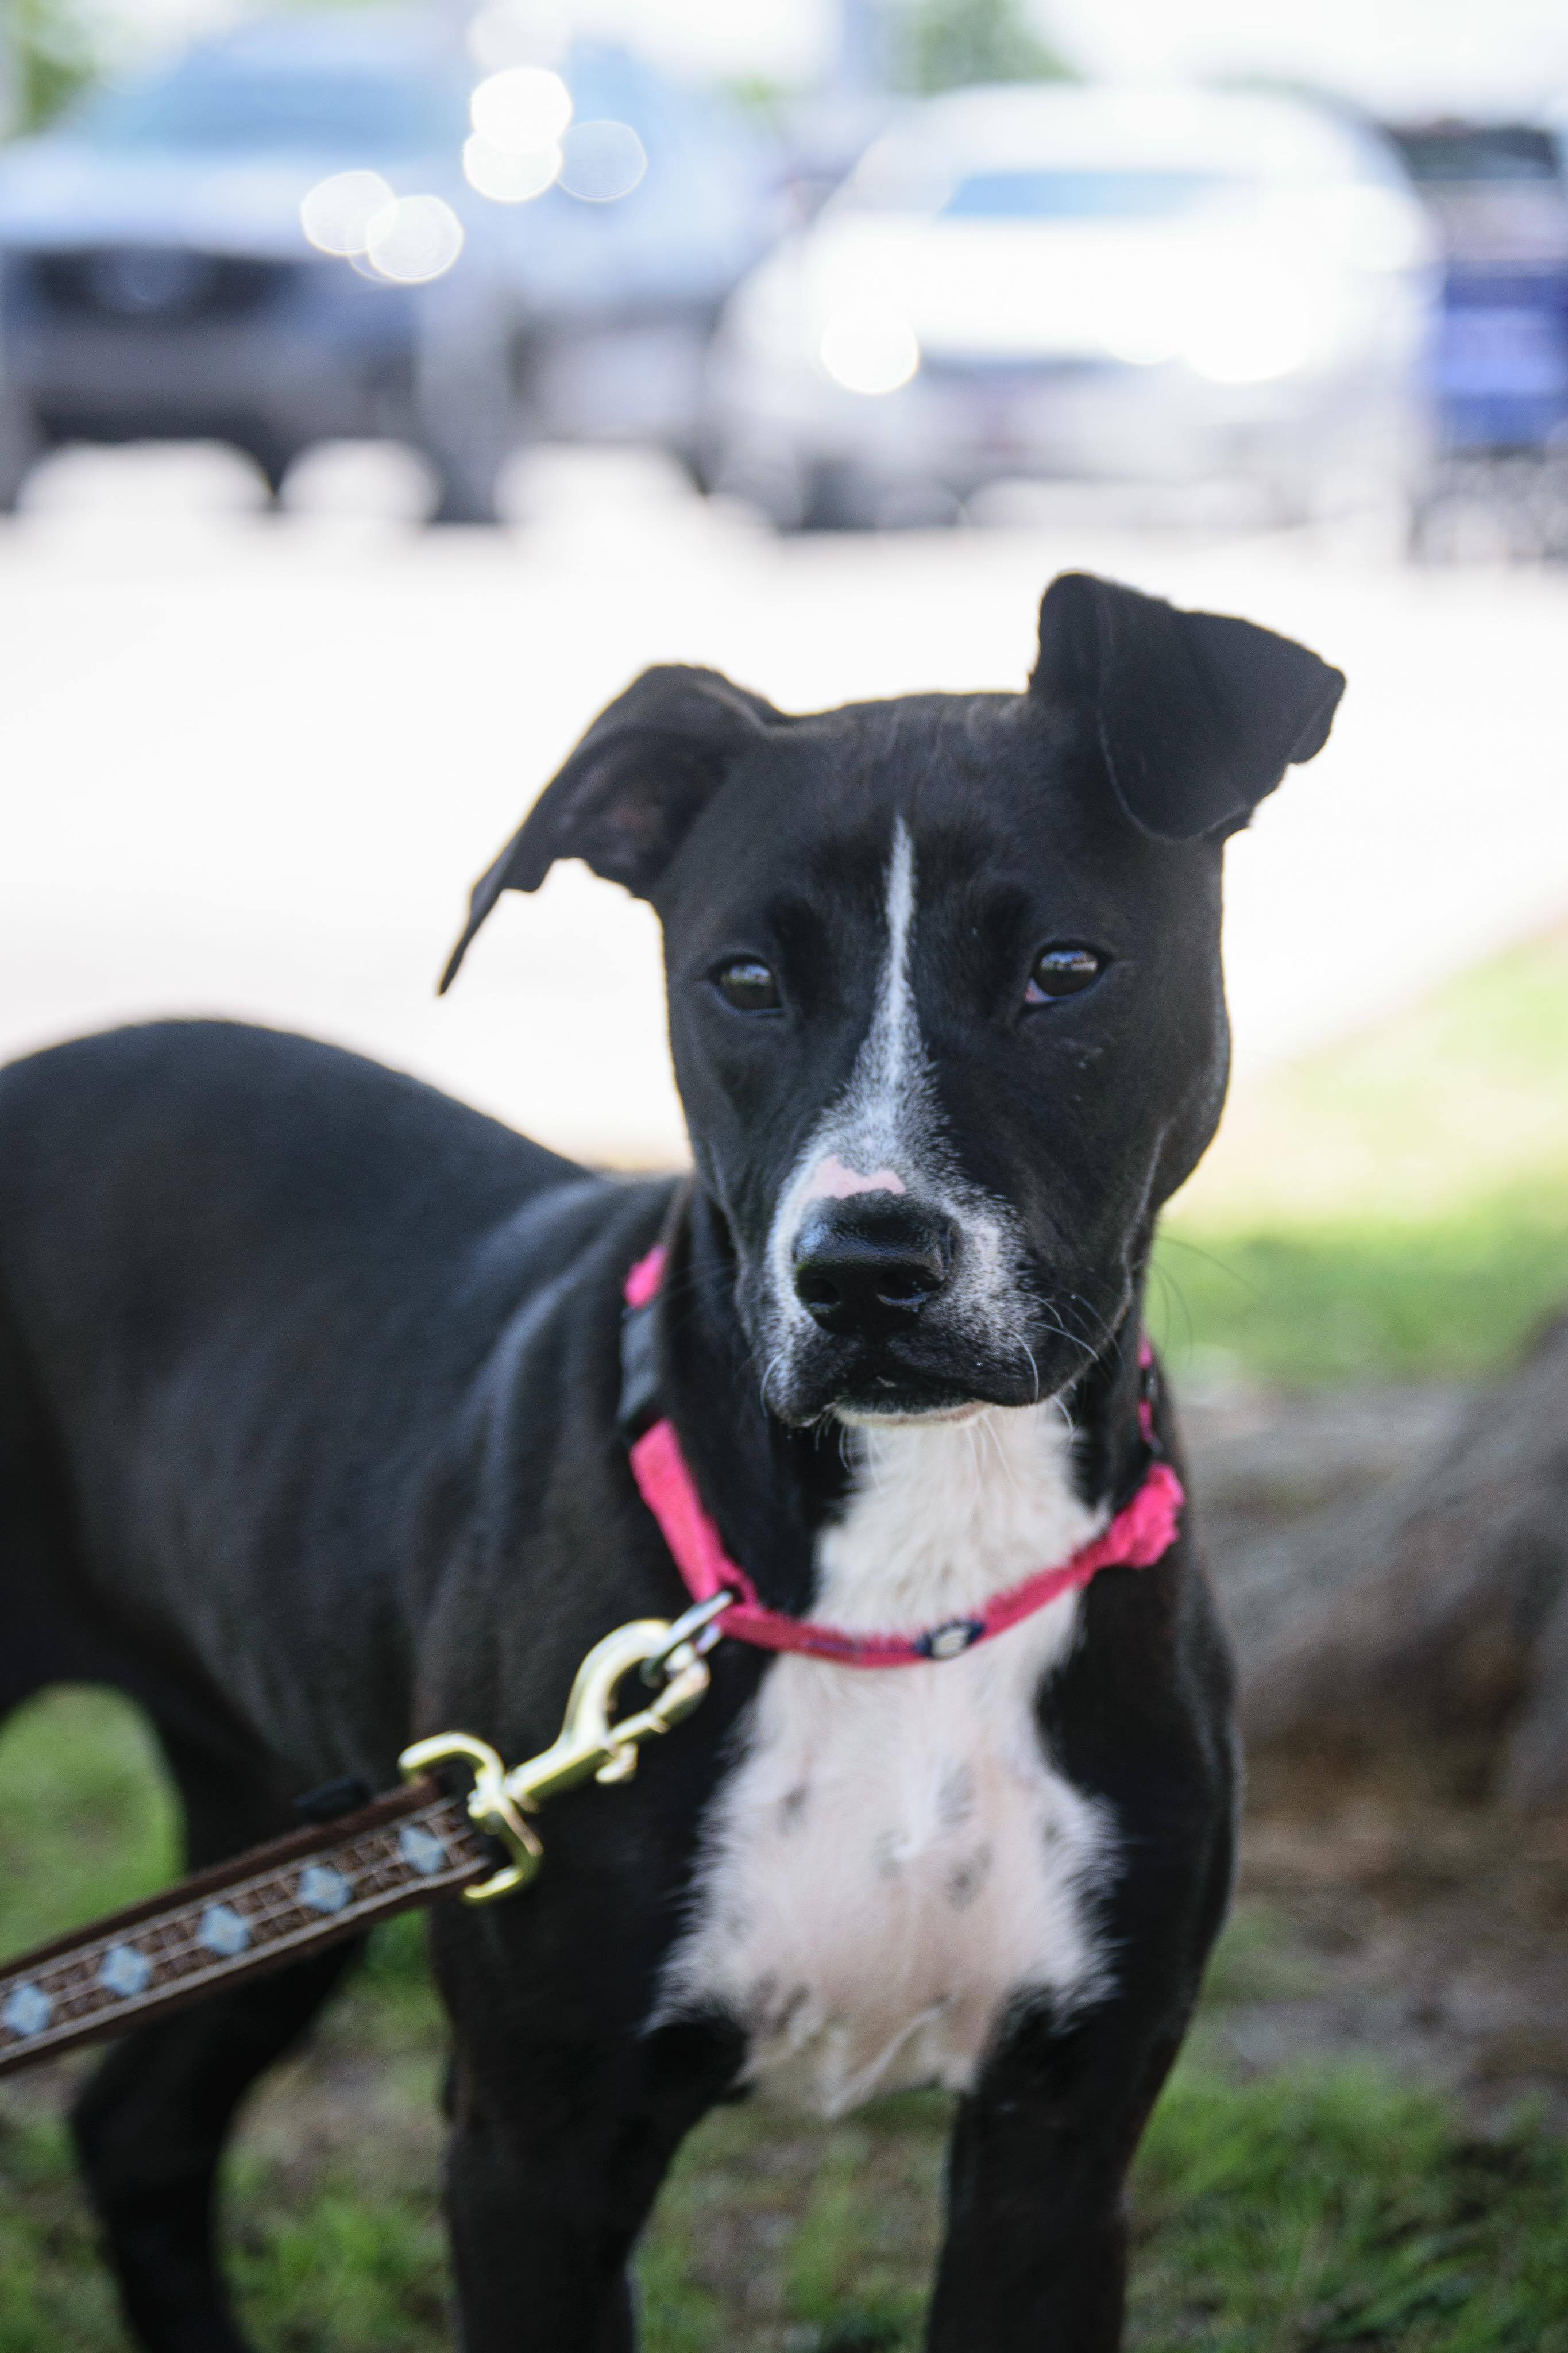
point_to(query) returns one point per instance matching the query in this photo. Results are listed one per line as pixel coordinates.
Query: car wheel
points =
(21, 444)
(839, 496)
(694, 463)
(465, 491)
(847, 497)
(272, 461)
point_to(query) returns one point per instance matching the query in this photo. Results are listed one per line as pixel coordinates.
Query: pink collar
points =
(1142, 1532)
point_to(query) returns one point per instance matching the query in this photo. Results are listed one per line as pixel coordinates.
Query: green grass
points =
(319, 2260)
(1393, 1208)
(338, 2268)
(88, 1819)
(1305, 2212)
(1321, 2210)
(1314, 2210)
(1449, 1295)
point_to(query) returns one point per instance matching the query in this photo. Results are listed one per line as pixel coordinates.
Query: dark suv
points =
(157, 280)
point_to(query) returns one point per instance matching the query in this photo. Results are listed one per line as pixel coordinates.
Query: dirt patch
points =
(1376, 1920)
(1261, 1460)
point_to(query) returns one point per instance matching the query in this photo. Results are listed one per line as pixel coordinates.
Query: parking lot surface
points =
(252, 762)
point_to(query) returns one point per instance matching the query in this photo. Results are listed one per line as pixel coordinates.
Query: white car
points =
(1144, 286)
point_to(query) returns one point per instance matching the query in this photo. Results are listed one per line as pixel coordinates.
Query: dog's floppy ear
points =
(645, 769)
(1198, 716)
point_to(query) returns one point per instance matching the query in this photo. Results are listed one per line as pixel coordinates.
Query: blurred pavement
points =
(253, 763)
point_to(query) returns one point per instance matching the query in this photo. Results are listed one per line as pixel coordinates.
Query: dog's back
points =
(193, 1210)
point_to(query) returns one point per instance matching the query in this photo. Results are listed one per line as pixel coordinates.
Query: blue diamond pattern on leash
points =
(421, 1849)
(223, 1931)
(27, 2010)
(323, 1889)
(125, 1971)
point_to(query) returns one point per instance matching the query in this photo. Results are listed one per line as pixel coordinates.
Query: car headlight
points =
(1255, 327)
(870, 352)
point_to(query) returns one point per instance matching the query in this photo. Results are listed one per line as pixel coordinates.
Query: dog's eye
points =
(1063, 972)
(748, 985)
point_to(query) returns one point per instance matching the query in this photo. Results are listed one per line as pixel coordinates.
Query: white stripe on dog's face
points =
(892, 1059)
(865, 1143)
(885, 1134)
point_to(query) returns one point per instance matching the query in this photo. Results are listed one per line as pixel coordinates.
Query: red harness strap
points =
(1140, 1535)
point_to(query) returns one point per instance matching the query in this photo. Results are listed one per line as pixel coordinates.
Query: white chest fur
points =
(893, 1859)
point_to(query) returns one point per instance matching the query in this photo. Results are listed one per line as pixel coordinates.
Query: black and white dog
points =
(309, 1387)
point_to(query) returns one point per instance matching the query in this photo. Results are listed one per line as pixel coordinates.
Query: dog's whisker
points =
(775, 1363)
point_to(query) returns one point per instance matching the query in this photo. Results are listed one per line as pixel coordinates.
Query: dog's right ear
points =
(646, 768)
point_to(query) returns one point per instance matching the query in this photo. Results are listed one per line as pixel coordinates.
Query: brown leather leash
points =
(276, 1902)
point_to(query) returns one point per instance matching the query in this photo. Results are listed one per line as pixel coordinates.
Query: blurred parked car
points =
(157, 281)
(1500, 362)
(616, 302)
(1063, 282)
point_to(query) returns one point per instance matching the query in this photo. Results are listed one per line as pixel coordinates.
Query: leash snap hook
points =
(492, 1808)
(594, 1743)
(691, 1636)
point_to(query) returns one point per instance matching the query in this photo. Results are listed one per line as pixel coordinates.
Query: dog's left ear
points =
(1197, 716)
(646, 768)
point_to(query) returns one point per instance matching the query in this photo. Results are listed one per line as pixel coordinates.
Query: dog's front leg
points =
(1035, 2254)
(566, 2115)
(556, 2157)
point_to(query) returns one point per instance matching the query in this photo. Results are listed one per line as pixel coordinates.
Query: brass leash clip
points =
(593, 1742)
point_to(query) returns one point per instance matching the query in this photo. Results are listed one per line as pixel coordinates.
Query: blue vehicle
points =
(1497, 366)
(1500, 365)
(156, 281)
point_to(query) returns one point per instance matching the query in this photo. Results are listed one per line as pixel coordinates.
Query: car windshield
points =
(1511, 155)
(1079, 194)
(263, 111)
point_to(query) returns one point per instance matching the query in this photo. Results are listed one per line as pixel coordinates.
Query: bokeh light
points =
(336, 215)
(602, 161)
(523, 110)
(1252, 327)
(869, 351)
(414, 240)
(506, 177)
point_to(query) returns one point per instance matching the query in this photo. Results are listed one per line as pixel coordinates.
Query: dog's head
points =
(944, 985)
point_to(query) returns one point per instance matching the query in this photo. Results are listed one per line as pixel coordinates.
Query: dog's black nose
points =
(862, 1269)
